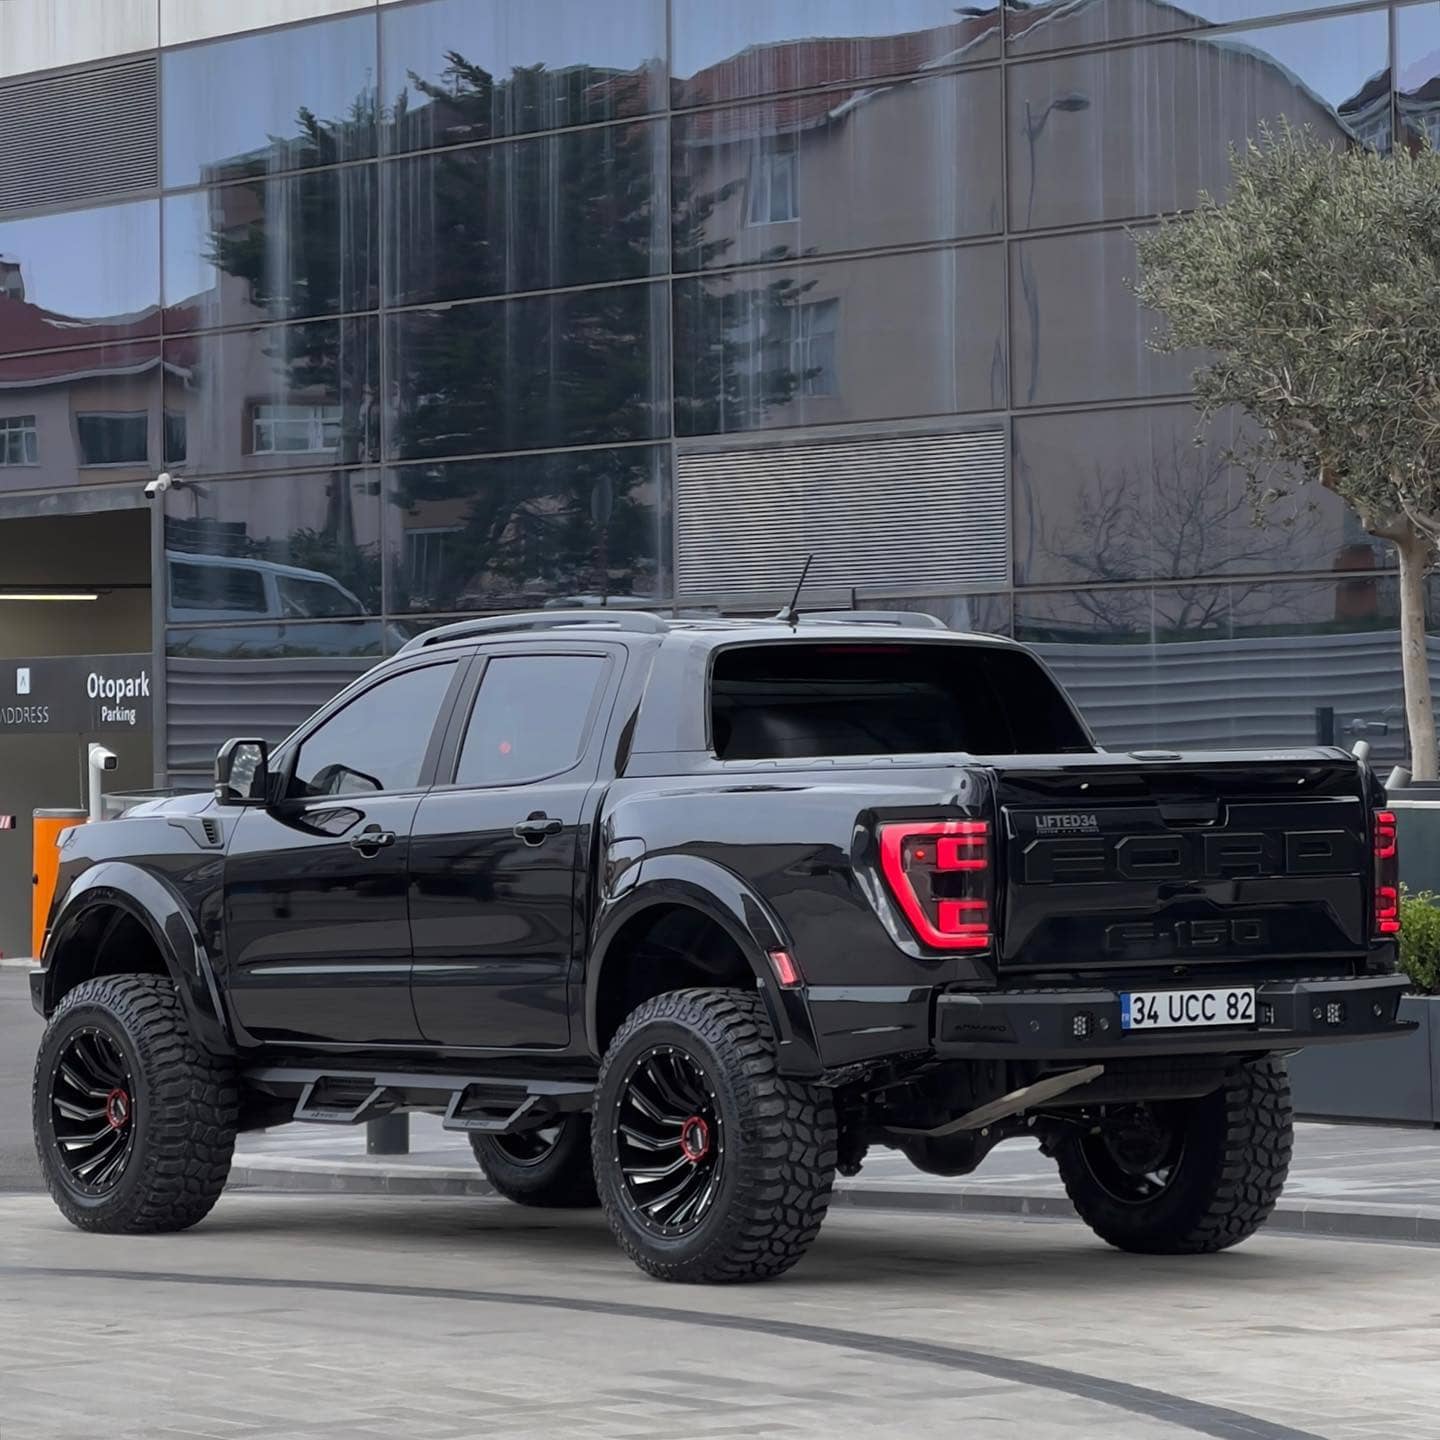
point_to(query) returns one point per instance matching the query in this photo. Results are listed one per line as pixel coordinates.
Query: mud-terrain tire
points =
(689, 1087)
(542, 1167)
(118, 1063)
(1229, 1156)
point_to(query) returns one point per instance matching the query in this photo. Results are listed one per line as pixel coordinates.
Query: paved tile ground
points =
(378, 1318)
(20, 1029)
(502, 1322)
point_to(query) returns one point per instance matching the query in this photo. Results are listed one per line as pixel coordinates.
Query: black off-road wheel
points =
(550, 1166)
(134, 1124)
(1187, 1177)
(711, 1166)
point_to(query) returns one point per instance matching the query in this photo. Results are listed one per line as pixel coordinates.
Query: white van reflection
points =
(218, 587)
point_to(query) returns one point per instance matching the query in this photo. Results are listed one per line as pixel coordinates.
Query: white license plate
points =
(1179, 1009)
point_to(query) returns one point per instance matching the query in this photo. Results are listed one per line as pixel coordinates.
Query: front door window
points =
(378, 741)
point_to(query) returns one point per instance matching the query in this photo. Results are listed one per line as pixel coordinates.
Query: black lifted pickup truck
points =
(679, 917)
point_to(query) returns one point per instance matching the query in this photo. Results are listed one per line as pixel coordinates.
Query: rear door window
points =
(530, 718)
(876, 698)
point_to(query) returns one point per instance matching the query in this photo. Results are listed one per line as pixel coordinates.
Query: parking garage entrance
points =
(76, 665)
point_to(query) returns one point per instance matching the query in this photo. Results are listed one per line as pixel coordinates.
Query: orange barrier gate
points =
(46, 867)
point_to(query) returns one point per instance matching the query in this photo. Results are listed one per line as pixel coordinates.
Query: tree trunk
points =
(1415, 553)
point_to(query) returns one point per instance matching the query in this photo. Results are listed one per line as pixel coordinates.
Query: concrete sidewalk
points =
(1371, 1182)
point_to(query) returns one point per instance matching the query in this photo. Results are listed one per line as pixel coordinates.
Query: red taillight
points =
(1387, 910)
(1387, 874)
(938, 872)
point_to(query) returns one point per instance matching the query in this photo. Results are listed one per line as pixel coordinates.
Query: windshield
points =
(790, 700)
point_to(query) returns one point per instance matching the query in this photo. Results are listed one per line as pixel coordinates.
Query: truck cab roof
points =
(695, 700)
(699, 632)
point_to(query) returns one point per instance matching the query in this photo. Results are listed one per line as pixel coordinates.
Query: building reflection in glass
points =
(881, 337)
(902, 163)
(80, 277)
(70, 417)
(802, 227)
(1039, 25)
(281, 398)
(755, 47)
(1123, 134)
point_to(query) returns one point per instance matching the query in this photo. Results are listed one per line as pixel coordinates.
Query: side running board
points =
(320, 1104)
(491, 1105)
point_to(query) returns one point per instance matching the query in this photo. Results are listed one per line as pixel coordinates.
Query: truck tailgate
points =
(1184, 861)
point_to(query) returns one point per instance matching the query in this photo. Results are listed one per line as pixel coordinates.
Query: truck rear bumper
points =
(1085, 1024)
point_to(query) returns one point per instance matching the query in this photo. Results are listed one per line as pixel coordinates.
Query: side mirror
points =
(242, 773)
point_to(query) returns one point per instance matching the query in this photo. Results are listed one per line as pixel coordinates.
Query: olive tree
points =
(1314, 288)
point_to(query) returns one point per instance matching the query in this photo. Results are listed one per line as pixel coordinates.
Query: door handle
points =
(369, 842)
(534, 830)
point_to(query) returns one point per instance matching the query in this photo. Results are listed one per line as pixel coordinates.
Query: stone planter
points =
(1391, 1080)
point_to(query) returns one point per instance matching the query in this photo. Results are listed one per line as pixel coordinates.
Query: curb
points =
(1415, 1224)
(16, 964)
(362, 1178)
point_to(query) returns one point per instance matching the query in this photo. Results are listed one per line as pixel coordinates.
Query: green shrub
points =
(1420, 939)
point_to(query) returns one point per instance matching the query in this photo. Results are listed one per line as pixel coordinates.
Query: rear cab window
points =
(795, 700)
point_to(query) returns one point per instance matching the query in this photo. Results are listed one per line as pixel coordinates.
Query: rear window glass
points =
(780, 701)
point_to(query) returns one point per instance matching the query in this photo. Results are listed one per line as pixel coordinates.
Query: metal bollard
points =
(389, 1135)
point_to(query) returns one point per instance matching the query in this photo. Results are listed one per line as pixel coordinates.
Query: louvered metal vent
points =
(207, 701)
(1250, 693)
(79, 136)
(915, 510)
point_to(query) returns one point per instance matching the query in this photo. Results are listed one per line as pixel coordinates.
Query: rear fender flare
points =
(120, 885)
(724, 898)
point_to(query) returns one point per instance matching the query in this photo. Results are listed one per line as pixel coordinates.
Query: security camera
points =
(159, 485)
(102, 758)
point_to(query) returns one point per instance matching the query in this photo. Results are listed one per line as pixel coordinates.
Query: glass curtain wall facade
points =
(449, 307)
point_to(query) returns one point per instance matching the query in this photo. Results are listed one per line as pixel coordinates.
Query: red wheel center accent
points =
(695, 1139)
(117, 1109)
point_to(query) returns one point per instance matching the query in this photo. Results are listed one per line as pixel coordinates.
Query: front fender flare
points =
(723, 897)
(120, 885)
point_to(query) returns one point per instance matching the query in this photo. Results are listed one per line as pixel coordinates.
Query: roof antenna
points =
(791, 613)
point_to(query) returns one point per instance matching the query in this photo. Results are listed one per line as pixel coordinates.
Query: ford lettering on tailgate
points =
(1189, 856)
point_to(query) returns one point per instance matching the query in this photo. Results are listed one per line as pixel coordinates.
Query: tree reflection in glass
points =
(584, 528)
